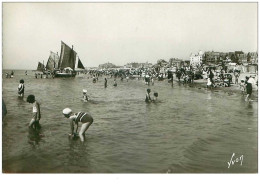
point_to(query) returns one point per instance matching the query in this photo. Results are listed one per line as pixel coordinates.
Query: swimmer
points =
(85, 96)
(147, 97)
(155, 95)
(21, 88)
(36, 112)
(85, 118)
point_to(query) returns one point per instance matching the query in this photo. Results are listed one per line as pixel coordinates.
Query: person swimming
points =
(155, 96)
(85, 118)
(36, 112)
(21, 88)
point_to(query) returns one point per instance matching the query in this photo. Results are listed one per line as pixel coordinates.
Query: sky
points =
(121, 33)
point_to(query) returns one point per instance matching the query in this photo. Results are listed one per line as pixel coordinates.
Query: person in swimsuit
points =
(21, 88)
(85, 118)
(36, 112)
(155, 95)
(85, 96)
(248, 89)
(105, 82)
(147, 97)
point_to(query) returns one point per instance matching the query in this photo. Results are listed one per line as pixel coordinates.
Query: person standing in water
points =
(21, 88)
(85, 96)
(148, 97)
(115, 84)
(105, 82)
(36, 112)
(248, 89)
(74, 118)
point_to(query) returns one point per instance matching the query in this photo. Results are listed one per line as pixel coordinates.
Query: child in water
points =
(85, 96)
(21, 88)
(147, 97)
(36, 112)
(85, 118)
(242, 86)
(155, 95)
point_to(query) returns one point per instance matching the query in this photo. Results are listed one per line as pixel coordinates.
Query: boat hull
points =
(65, 75)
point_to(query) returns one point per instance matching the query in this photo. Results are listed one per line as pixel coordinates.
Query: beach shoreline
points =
(233, 89)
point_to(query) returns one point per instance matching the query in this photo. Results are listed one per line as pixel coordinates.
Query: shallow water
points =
(189, 130)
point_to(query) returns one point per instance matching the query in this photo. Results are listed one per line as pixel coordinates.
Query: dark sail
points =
(52, 61)
(67, 57)
(80, 65)
(40, 67)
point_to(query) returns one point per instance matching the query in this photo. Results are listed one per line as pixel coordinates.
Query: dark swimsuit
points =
(249, 88)
(83, 117)
(21, 89)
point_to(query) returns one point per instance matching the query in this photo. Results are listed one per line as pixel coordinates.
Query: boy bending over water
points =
(85, 118)
(36, 112)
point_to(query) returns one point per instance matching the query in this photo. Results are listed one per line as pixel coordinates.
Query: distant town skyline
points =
(122, 33)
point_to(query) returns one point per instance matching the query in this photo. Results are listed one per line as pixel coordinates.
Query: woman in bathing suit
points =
(85, 118)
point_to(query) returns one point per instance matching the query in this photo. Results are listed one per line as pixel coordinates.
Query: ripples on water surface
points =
(189, 129)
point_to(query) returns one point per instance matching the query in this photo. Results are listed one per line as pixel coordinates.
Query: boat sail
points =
(40, 67)
(52, 61)
(80, 65)
(67, 62)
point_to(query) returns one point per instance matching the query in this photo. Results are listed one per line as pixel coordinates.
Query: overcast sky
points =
(124, 32)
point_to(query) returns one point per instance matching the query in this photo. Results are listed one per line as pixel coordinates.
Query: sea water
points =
(188, 130)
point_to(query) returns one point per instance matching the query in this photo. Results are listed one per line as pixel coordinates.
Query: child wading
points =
(83, 117)
(85, 96)
(36, 112)
(147, 96)
(21, 88)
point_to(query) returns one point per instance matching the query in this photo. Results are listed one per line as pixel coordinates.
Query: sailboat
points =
(80, 67)
(67, 60)
(40, 67)
(52, 62)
